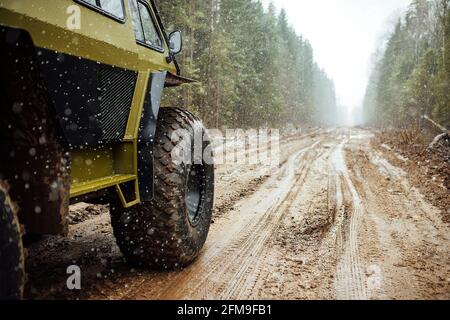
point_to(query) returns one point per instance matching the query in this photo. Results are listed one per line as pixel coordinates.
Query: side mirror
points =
(176, 42)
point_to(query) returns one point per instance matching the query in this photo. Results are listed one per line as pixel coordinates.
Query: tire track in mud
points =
(258, 247)
(350, 280)
(249, 270)
(229, 266)
(270, 242)
(283, 270)
(229, 182)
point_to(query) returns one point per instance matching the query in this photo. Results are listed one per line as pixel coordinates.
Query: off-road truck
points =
(81, 120)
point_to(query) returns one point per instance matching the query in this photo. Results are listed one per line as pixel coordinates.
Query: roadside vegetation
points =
(408, 97)
(411, 76)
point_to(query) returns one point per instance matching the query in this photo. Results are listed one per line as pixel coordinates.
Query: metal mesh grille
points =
(117, 89)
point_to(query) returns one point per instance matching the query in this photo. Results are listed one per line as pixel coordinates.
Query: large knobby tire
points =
(170, 231)
(12, 268)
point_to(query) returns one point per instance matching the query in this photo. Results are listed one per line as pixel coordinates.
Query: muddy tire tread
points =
(12, 260)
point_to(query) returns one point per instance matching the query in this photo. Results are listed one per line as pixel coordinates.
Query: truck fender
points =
(147, 131)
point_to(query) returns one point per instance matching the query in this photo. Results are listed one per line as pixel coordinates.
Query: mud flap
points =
(33, 157)
(147, 131)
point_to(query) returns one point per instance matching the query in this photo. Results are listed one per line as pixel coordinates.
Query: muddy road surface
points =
(335, 221)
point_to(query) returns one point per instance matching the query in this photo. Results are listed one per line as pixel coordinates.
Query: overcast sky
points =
(344, 34)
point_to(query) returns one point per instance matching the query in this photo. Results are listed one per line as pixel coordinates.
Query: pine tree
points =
(254, 70)
(412, 77)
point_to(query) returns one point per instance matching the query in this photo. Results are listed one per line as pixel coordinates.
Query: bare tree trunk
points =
(436, 125)
(189, 95)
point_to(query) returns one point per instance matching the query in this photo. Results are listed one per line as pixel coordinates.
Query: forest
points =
(253, 69)
(411, 75)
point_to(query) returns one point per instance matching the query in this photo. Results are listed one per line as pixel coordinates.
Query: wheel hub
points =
(194, 190)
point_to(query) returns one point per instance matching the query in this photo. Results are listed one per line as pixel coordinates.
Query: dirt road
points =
(336, 221)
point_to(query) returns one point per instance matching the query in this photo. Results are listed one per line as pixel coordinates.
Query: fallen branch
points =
(445, 135)
(437, 125)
